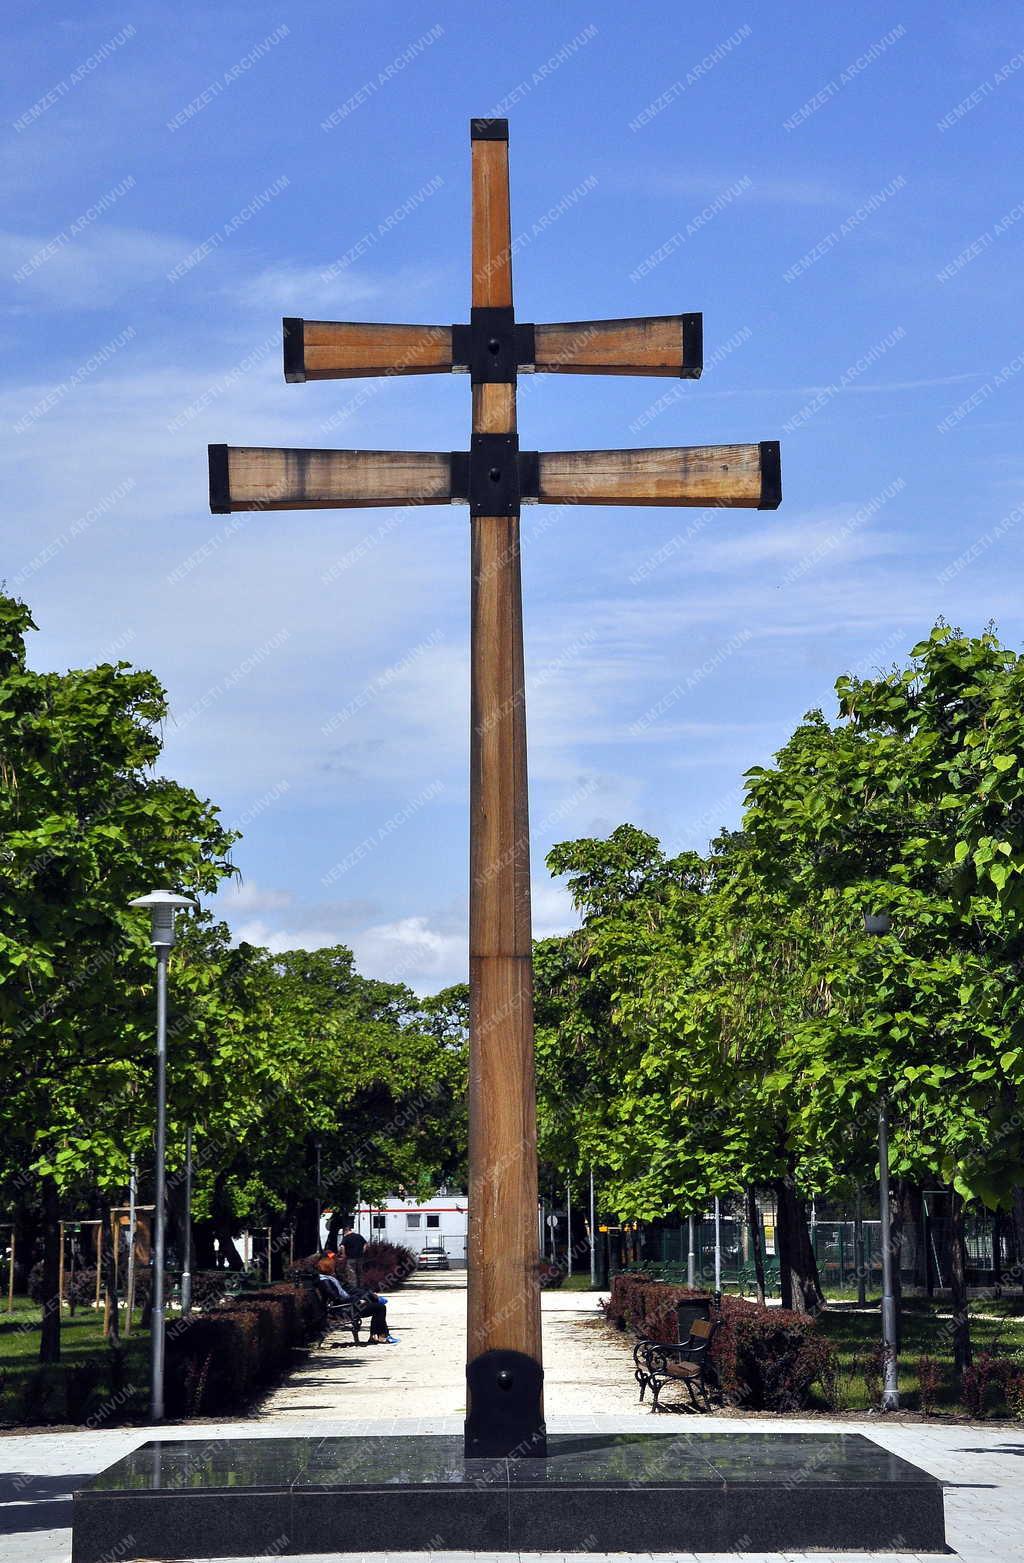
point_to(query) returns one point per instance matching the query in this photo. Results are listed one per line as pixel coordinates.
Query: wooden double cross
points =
(504, 1373)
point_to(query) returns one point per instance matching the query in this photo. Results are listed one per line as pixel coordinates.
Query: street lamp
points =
(879, 923)
(186, 1269)
(161, 905)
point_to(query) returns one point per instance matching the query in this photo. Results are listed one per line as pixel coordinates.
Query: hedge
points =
(217, 1360)
(385, 1266)
(79, 1286)
(766, 1359)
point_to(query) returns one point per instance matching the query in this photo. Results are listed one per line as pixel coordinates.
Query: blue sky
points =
(835, 188)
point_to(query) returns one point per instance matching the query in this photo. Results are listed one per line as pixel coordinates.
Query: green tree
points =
(85, 825)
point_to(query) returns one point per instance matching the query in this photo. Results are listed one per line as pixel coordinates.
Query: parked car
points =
(433, 1259)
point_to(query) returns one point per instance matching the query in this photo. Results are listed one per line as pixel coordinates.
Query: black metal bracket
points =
(220, 487)
(771, 475)
(294, 350)
(693, 347)
(492, 347)
(494, 475)
(505, 1397)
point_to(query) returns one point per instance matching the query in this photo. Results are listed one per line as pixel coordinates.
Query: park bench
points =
(657, 1363)
(335, 1310)
(688, 1363)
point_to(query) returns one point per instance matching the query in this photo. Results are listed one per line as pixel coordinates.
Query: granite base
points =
(626, 1492)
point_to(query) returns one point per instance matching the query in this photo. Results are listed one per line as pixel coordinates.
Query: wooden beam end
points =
(220, 488)
(771, 475)
(294, 350)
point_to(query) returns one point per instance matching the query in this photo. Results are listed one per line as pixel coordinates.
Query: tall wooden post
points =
(505, 1405)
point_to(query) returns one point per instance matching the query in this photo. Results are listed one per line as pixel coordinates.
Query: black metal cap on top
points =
(771, 475)
(693, 347)
(294, 350)
(220, 490)
(488, 130)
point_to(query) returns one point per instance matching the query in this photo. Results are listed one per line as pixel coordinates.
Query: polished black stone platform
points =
(693, 1491)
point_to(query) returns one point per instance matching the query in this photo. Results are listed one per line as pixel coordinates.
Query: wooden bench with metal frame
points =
(689, 1362)
(338, 1310)
(687, 1310)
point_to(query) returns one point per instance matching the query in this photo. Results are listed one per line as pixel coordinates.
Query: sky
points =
(836, 189)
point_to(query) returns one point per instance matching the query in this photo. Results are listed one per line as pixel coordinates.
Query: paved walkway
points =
(416, 1387)
(425, 1374)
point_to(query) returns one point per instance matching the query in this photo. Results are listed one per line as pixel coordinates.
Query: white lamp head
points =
(162, 905)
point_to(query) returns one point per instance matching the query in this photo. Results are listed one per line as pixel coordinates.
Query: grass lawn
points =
(580, 1283)
(925, 1333)
(87, 1383)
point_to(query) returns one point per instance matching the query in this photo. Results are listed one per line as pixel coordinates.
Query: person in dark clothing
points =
(354, 1243)
(344, 1287)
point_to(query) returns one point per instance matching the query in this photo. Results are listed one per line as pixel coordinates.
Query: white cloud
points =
(96, 269)
(553, 911)
(312, 291)
(245, 895)
(413, 951)
(302, 290)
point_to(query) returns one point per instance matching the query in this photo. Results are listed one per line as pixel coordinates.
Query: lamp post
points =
(878, 923)
(186, 1269)
(691, 1253)
(593, 1237)
(718, 1245)
(161, 905)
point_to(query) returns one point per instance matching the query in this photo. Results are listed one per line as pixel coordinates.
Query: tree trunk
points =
(111, 1315)
(796, 1255)
(333, 1231)
(26, 1238)
(307, 1223)
(49, 1340)
(958, 1280)
(69, 1277)
(783, 1246)
(1017, 1208)
(278, 1246)
(913, 1230)
(228, 1252)
(202, 1244)
(754, 1225)
(222, 1226)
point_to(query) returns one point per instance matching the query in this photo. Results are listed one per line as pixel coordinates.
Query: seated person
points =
(345, 1288)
